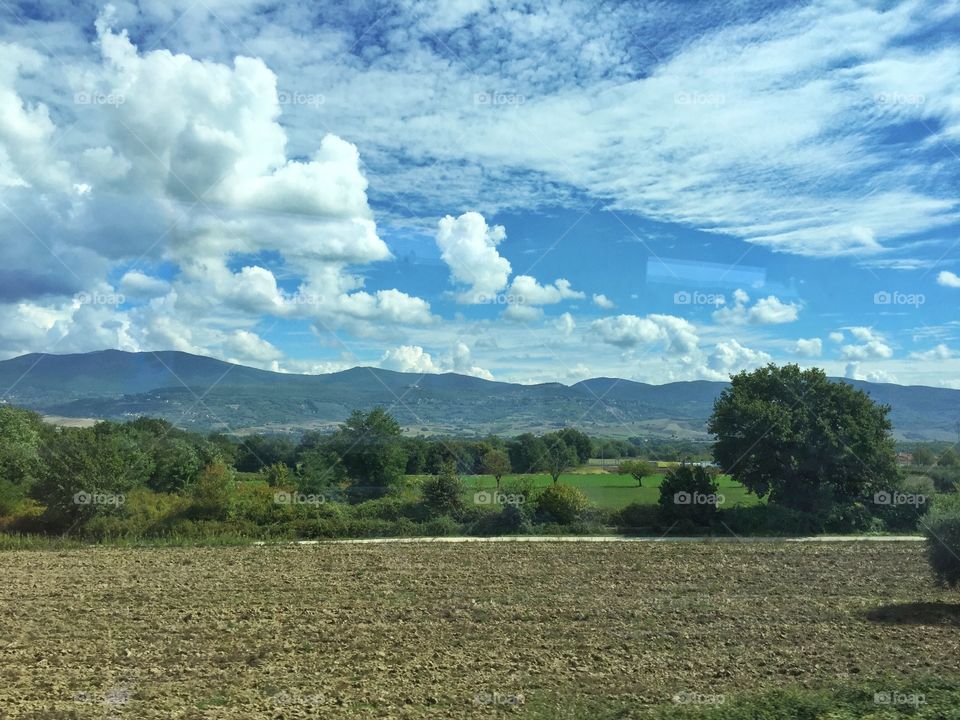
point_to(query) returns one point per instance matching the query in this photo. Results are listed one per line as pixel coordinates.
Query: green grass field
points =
(608, 490)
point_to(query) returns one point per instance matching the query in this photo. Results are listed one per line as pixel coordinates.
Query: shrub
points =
(945, 479)
(943, 542)
(443, 493)
(441, 527)
(391, 507)
(637, 516)
(210, 494)
(561, 503)
(688, 495)
(507, 520)
(769, 520)
(852, 517)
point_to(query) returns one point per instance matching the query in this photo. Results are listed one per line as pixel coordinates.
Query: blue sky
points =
(520, 191)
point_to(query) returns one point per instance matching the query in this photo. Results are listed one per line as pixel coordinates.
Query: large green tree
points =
(802, 439)
(21, 432)
(558, 457)
(371, 449)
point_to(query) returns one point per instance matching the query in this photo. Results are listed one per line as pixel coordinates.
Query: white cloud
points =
(469, 248)
(565, 324)
(812, 347)
(766, 311)
(137, 284)
(522, 313)
(409, 358)
(837, 336)
(939, 352)
(729, 357)
(948, 279)
(853, 372)
(528, 291)
(603, 301)
(629, 331)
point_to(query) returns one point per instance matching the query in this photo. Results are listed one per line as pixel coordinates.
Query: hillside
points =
(204, 393)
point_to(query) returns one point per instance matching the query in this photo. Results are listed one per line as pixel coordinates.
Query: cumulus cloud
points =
(812, 347)
(565, 324)
(409, 358)
(630, 331)
(413, 358)
(872, 345)
(853, 371)
(528, 291)
(938, 352)
(765, 311)
(469, 248)
(602, 301)
(948, 279)
(729, 357)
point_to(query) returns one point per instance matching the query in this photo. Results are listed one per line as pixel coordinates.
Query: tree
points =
(443, 493)
(562, 503)
(558, 457)
(20, 464)
(688, 493)
(88, 471)
(579, 441)
(496, 463)
(803, 440)
(526, 453)
(923, 456)
(370, 447)
(639, 469)
(210, 494)
(176, 464)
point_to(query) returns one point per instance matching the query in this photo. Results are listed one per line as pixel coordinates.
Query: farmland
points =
(609, 490)
(536, 630)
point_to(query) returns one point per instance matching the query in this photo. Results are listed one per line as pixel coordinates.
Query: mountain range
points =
(203, 393)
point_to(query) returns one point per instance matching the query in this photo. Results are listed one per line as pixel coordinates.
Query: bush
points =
(210, 494)
(561, 504)
(443, 493)
(945, 479)
(688, 497)
(391, 507)
(943, 543)
(507, 520)
(852, 518)
(637, 516)
(442, 526)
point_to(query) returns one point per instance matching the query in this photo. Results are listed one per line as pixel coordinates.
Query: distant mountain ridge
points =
(204, 393)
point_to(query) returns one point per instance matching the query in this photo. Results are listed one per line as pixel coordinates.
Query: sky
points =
(526, 192)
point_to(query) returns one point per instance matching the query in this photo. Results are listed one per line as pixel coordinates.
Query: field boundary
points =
(605, 538)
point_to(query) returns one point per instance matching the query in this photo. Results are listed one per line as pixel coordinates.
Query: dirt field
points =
(537, 630)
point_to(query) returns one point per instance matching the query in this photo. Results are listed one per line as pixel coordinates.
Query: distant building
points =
(905, 458)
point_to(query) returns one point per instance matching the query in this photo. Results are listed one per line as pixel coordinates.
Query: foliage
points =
(639, 469)
(496, 463)
(942, 529)
(689, 494)
(558, 457)
(370, 447)
(443, 493)
(210, 494)
(802, 439)
(561, 503)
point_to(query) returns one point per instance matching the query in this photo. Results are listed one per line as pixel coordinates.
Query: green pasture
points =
(606, 490)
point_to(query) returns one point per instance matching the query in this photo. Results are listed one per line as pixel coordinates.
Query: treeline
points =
(147, 476)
